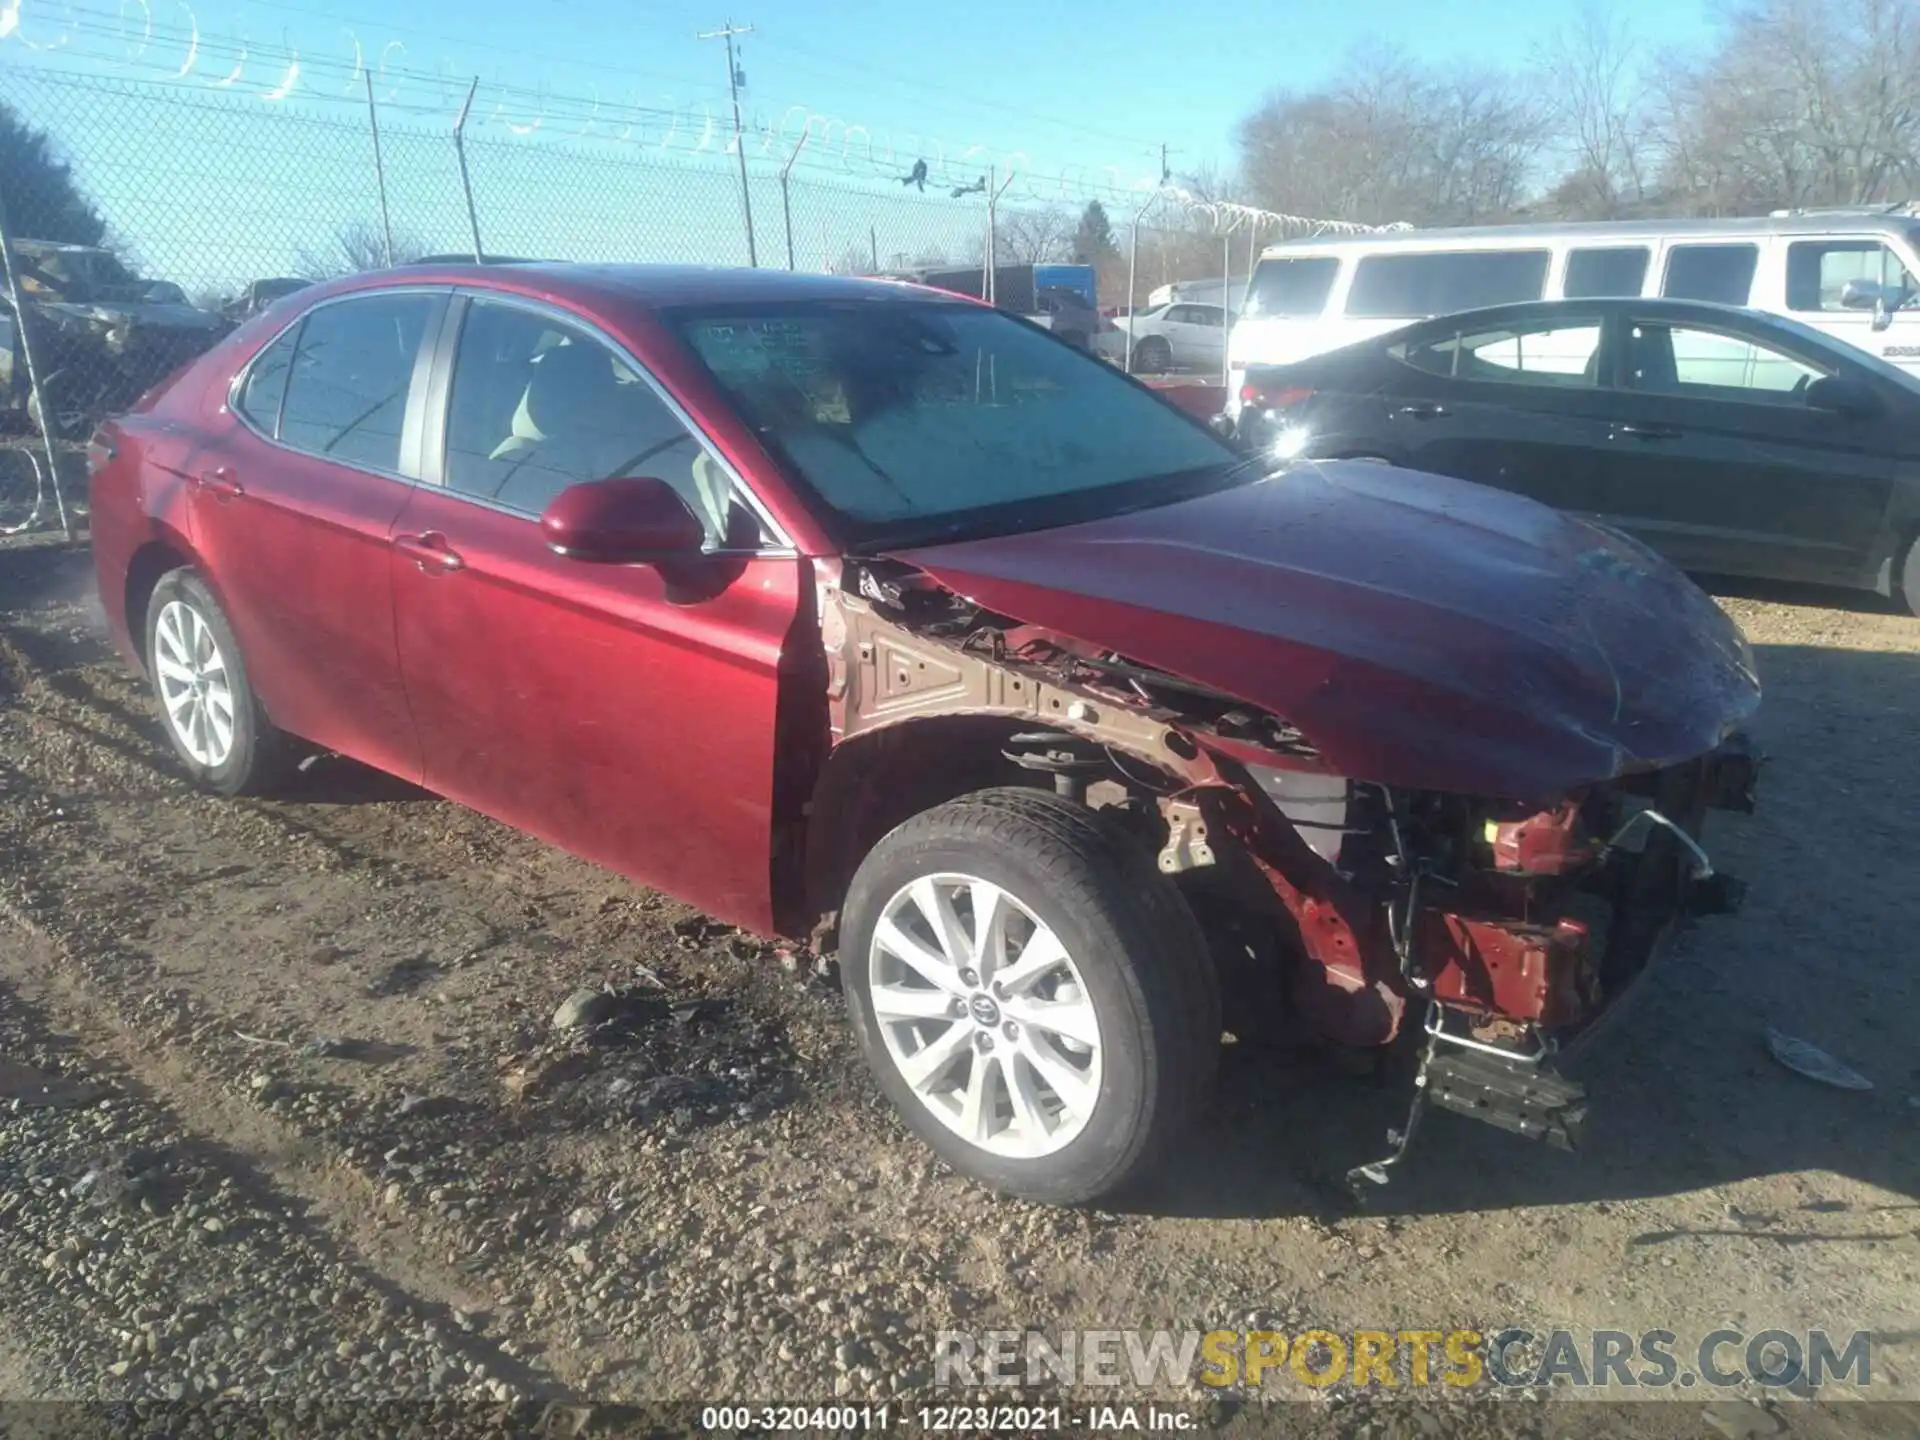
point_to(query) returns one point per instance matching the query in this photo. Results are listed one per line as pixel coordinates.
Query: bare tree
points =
(1593, 90)
(1391, 140)
(1802, 102)
(359, 245)
(1034, 237)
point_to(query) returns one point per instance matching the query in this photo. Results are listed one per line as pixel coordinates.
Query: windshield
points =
(910, 422)
(77, 275)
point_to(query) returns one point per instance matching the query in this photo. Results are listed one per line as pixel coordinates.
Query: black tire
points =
(1153, 356)
(1906, 588)
(1138, 951)
(258, 756)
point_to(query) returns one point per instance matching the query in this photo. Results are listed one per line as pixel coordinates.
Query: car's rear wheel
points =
(1153, 356)
(212, 716)
(1033, 996)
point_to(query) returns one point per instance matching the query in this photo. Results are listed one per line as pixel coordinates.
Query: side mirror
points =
(1841, 395)
(1868, 295)
(626, 520)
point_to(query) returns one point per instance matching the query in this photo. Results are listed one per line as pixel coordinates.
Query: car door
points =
(621, 714)
(1717, 461)
(1187, 337)
(1171, 326)
(1515, 404)
(1208, 326)
(291, 514)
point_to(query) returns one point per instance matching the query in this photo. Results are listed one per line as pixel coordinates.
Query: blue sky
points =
(601, 128)
(1102, 85)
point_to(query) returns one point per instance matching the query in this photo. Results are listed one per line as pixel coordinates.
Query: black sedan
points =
(1732, 442)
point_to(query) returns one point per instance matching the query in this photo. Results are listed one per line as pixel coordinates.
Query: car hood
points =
(1419, 631)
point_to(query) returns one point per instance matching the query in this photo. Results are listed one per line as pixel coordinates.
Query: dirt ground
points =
(283, 1114)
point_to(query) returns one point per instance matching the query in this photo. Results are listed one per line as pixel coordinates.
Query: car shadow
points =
(1683, 1091)
(329, 779)
(49, 575)
(1791, 592)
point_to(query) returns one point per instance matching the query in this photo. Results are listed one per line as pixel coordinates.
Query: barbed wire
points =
(129, 40)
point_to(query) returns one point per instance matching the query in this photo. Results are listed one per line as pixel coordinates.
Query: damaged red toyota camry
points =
(853, 612)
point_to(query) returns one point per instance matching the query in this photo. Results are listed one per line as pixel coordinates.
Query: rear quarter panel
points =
(138, 498)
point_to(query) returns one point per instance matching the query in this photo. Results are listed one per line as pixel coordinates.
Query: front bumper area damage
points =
(1501, 932)
(1508, 999)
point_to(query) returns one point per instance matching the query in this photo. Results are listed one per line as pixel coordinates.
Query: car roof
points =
(1494, 316)
(1652, 306)
(1521, 235)
(656, 285)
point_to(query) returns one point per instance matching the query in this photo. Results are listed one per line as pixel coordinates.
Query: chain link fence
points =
(143, 220)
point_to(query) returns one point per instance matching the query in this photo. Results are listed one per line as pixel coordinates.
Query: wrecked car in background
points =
(259, 294)
(852, 612)
(101, 335)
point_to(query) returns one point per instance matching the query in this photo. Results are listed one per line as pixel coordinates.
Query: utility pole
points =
(726, 33)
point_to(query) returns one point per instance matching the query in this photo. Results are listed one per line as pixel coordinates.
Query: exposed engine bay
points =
(1494, 931)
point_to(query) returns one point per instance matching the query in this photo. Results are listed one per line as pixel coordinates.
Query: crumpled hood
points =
(1419, 631)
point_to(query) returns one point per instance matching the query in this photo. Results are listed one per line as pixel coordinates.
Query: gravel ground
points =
(285, 1118)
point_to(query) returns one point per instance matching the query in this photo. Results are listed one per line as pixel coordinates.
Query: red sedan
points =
(847, 610)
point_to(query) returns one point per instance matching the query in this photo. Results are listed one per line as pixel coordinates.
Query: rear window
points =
(1719, 274)
(1413, 286)
(1608, 270)
(1292, 287)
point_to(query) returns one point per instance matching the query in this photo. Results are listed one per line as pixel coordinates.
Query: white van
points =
(1846, 273)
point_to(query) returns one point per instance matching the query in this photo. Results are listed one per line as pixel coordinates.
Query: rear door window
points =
(1292, 288)
(1719, 274)
(1605, 270)
(1413, 286)
(1561, 352)
(266, 385)
(346, 395)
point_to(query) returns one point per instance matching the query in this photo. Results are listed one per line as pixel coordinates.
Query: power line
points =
(518, 52)
(726, 33)
(917, 84)
(324, 78)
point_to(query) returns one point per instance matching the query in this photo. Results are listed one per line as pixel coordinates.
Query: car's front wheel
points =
(1907, 590)
(212, 716)
(1032, 994)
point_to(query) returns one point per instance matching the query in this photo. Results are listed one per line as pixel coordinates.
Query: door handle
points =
(221, 483)
(1647, 432)
(429, 552)
(1421, 410)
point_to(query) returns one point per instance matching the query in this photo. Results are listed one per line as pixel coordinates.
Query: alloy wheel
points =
(193, 681)
(985, 1015)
